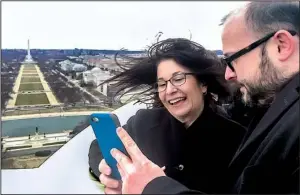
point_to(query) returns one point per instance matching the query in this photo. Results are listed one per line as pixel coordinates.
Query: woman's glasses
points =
(176, 80)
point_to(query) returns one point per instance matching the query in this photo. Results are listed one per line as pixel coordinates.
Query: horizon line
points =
(83, 49)
(70, 49)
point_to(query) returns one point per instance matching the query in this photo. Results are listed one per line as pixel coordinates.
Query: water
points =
(24, 127)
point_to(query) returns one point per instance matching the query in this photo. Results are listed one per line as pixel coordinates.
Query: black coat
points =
(239, 112)
(267, 160)
(198, 157)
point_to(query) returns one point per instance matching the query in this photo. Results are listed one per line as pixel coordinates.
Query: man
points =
(261, 46)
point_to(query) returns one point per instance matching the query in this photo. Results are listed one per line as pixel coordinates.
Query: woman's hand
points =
(136, 170)
(112, 186)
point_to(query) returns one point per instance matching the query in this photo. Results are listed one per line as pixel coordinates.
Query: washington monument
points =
(28, 59)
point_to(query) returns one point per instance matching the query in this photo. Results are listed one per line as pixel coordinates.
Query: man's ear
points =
(285, 43)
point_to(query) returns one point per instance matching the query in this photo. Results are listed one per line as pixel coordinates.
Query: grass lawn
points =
(30, 79)
(31, 87)
(30, 71)
(29, 68)
(30, 74)
(32, 99)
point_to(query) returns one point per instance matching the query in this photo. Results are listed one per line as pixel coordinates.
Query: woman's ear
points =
(204, 89)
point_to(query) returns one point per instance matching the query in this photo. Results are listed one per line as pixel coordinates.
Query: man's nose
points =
(229, 74)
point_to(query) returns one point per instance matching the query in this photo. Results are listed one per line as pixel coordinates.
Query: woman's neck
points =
(189, 120)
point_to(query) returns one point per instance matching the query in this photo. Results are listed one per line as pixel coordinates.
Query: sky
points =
(110, 25)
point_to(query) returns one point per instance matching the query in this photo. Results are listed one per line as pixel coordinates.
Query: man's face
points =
(255, 73)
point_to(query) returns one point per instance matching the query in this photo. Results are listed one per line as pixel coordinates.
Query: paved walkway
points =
(11, 103)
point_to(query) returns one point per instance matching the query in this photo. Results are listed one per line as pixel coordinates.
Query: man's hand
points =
(136, 170)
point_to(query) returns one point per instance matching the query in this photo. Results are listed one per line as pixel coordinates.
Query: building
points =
(69, 66)
(95, 76)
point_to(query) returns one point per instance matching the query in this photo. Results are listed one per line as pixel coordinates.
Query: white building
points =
(95, 76)
(79, 68)
(69, 66)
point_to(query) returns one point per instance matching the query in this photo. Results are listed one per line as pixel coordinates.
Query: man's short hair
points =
(266, 17)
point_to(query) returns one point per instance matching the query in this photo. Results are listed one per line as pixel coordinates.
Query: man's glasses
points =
(176, 80)
(230, 59)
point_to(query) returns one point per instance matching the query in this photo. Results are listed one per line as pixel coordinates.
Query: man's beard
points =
(261, 92)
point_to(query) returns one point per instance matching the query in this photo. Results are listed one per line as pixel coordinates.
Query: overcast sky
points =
(110, 25)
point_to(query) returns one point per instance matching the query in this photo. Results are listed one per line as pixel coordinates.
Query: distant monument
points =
(28, 59)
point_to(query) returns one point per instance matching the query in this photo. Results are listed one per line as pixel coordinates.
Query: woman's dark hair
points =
(141, 73)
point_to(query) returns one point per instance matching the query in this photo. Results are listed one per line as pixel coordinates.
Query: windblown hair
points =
(141, 73)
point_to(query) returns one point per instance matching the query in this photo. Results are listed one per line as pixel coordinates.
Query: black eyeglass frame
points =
(166, 81)
(230, 59)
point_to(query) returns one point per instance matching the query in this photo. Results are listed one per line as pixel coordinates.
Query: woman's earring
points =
(205, 93)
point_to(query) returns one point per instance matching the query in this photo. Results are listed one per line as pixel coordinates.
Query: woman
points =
(180, 76)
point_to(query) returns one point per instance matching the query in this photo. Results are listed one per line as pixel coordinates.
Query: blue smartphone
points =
(104, 126)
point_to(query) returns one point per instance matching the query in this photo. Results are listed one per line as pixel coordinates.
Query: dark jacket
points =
(239, 112)
(267, 161)
(198, 157)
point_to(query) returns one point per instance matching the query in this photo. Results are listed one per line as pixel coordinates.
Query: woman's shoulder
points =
(151, 112)
(149, 117)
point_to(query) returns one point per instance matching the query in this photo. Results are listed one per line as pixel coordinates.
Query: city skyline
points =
(110, 25)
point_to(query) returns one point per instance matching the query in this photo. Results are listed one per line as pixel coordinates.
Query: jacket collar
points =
(204, 118)
(284, 99)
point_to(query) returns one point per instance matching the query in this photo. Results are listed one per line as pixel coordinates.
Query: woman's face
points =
(186, 99)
